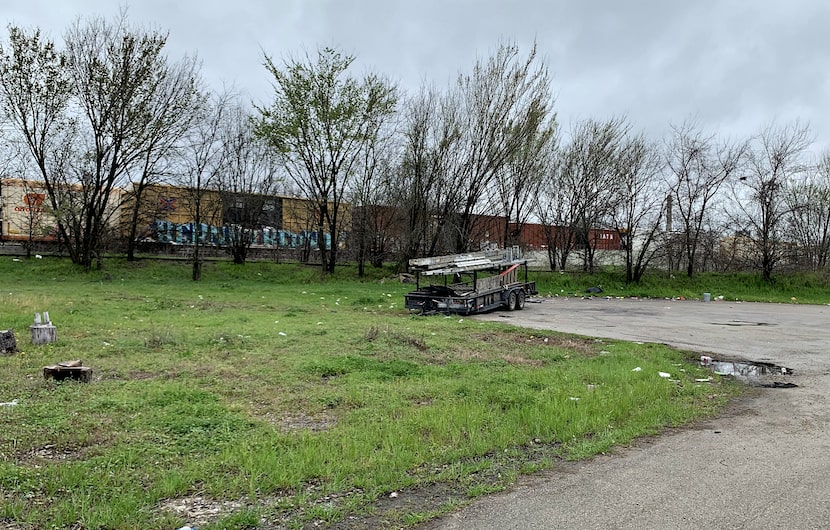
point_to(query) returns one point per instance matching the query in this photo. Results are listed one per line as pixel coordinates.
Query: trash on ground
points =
(664, 374)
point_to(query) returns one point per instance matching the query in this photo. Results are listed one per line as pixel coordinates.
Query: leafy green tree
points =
(318, 124)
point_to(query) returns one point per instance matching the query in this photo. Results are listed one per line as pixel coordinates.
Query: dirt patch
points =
(303, 422)
(198, 510)
(140, 375)
(582, 345)
(50, 453)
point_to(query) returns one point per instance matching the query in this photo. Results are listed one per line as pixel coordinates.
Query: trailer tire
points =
(511, 301)
(520, 300)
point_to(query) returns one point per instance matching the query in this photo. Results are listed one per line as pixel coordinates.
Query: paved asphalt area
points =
(763, 463)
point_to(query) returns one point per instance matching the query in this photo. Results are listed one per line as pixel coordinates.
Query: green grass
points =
(808, 288)
(274, 397)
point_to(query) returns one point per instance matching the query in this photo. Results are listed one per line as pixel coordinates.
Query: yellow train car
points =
(25, 213)
(164, 207)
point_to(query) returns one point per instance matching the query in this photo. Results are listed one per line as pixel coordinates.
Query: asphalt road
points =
(763, 463)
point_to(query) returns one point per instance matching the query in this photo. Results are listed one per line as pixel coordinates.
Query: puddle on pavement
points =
(757, 373)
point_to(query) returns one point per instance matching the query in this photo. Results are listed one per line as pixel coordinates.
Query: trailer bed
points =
(481, 281)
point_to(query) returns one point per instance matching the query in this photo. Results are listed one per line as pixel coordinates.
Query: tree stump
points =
(8, 344)
(68, 370)
(43, 332)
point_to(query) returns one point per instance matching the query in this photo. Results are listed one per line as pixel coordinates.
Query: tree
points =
(554, 205)
(422, 191)
(640, 204)
(506, 106)
(202, 166)
(318, 124)
(173, 108)
(699, 166)
(246, 182)
(36, 91)
(518, 184)
(88, 115)
(589, 172)
(371, 216)
(808, 219)
(772, 161)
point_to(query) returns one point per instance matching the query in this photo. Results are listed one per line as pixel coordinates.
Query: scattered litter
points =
(393, 495)
(38, 256)
(638, 369)
(12, 403)
(15, 259)
(460, 320)
(573, 398)
(705, 360)
(282, 334)
(638, 342)
(604, 352)
(706, 380)
(664, 374)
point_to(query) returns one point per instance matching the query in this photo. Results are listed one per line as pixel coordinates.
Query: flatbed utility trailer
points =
(470, 283)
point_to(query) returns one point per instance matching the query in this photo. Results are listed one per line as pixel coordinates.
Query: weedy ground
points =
(266, 396)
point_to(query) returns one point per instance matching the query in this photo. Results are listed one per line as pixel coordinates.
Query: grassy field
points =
(805, 288)
(265, 397)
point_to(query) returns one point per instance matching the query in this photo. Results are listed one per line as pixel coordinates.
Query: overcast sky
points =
(734, 66)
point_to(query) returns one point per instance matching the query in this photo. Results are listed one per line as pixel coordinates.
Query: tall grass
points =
(283, 398)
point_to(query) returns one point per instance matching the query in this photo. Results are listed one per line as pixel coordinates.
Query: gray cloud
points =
(734, 65)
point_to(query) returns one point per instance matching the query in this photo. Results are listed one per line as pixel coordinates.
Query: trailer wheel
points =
(511, 301)
(520, 300)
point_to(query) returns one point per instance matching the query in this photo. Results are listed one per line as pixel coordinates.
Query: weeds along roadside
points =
(279, 397)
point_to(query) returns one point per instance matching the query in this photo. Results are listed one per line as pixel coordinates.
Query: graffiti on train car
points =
(162, 231)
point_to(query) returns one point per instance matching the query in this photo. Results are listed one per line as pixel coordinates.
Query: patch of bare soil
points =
(303, 422)
(198, 510)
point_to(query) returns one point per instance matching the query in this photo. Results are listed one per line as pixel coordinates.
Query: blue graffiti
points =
(161, 231)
